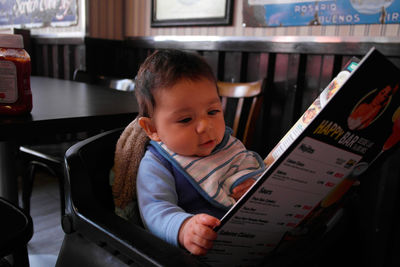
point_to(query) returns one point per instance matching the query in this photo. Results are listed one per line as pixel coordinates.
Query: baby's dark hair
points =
(163, 69)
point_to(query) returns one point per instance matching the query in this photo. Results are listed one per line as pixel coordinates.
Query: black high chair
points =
(94, 234)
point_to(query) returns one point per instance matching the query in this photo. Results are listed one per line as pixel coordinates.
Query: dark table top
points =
(65, 106)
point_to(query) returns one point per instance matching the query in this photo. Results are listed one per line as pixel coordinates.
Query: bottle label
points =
(8, 82)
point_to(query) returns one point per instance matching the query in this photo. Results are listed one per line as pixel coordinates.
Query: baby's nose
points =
(203, 125)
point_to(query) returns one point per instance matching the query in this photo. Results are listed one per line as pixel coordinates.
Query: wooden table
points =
(59, 106)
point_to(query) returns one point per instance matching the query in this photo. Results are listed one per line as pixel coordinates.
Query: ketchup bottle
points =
(15, 71)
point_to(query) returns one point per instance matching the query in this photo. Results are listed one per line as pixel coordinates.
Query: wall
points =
(137, 15)
(106, 18)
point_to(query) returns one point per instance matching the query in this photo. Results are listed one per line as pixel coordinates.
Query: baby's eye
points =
(213, 112)
(185, 120)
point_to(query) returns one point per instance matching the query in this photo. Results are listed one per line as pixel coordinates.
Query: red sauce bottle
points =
(15, 71)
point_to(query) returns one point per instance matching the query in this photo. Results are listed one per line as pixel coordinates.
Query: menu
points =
(353, 121)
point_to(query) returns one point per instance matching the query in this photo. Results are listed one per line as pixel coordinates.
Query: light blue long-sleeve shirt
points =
(158, 200)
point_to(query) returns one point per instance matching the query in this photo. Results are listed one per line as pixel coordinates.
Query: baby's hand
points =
(242, 188)
(197, 234)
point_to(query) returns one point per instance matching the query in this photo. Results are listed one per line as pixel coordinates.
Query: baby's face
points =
(188, 117)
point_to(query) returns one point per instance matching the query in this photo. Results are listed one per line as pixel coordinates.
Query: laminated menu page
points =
(352, 122)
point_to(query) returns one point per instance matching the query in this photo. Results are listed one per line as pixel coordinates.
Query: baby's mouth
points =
(208, 143)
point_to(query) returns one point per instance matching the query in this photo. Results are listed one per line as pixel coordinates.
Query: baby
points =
(193, 170)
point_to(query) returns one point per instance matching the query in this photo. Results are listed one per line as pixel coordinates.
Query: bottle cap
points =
(11, 41)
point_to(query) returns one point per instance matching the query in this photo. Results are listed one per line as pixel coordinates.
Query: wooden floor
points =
(47, 238)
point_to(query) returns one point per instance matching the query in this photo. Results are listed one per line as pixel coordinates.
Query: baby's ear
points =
(149, 127)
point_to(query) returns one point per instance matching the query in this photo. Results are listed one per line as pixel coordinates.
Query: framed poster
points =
(191, 13)
(259, 13)
(38, 13)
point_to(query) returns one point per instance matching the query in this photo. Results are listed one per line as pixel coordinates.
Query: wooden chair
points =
(240, 95)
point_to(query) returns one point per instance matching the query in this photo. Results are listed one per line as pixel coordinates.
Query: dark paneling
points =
(326, 74)
(47, 60)
(233, 66)
(66, 66)
(37, 65)
(213, 60)
(253, 70)
(57, 57)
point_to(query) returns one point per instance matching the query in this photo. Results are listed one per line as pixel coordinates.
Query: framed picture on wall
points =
(35, 14)
(272, 13)
(175, 13)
